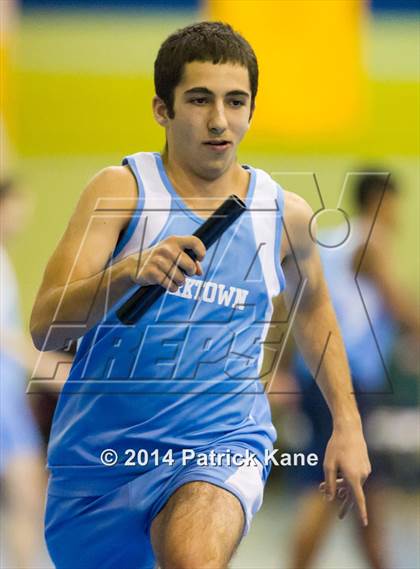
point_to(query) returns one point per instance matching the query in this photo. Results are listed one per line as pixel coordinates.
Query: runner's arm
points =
(75, 283)
(318, 337)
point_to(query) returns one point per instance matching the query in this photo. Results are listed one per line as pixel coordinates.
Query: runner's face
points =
(212, 106)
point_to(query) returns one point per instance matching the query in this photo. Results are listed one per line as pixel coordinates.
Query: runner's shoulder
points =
(115, 181)
(113, 187)
(297, 211)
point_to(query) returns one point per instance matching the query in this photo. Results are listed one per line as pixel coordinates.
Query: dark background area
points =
(377, 5)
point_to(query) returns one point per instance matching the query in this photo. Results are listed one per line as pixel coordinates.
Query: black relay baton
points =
(209, 232)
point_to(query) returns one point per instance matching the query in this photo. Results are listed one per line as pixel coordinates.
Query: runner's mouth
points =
(218, 145)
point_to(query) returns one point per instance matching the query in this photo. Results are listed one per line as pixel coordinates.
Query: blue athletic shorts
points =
(112, 531)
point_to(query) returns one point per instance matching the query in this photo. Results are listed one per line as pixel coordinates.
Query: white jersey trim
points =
(154, 204)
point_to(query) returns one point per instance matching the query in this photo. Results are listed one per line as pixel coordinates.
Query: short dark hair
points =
(373, 183)
(7, 187)
(204, 41)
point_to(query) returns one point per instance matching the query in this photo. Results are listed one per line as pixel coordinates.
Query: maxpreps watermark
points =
(212, 458)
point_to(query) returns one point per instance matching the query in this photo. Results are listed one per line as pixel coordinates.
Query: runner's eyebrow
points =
(205, 91)
(238, 92)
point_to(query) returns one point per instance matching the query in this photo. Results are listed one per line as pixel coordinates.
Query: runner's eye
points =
(237, 103)
(199, 101)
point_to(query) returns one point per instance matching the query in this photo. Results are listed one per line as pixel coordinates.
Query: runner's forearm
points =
(68, 312)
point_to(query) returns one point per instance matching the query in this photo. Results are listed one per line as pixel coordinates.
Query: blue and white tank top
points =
(187, 374)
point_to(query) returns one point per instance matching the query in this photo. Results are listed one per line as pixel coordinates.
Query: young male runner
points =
(184, 379)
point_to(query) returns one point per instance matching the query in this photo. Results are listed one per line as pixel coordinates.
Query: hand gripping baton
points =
(209, 232)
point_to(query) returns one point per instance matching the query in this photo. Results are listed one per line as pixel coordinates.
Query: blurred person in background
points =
(21, 454)
(360, 246)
